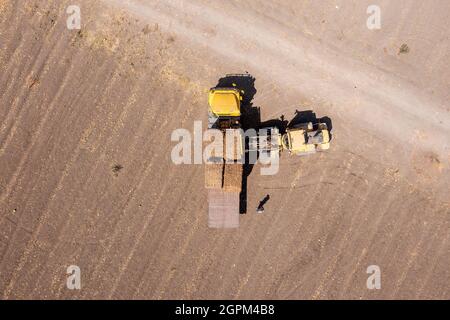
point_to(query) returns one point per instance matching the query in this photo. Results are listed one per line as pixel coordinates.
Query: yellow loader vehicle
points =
(302, 139)
(306, 138)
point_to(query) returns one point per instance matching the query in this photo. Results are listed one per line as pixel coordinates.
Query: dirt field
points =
(86, 177)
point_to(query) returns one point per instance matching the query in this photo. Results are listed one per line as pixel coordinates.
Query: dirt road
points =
(85, 171)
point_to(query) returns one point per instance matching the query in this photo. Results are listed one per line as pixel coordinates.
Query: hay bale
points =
(213, 175)
(234, 138)
(232, 178)
(217, 146)
(214, 146)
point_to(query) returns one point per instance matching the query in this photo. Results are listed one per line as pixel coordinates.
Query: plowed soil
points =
(86, 176)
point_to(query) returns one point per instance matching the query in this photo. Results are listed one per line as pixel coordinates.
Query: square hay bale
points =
(232, 144)
(213, 175)
(214, 146)
(232, 178)
(225, 144)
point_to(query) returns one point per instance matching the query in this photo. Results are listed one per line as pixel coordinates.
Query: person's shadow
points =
(262, 203)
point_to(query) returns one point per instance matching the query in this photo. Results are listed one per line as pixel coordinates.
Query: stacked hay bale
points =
(224, 170)
(232, 177)
(223, 178)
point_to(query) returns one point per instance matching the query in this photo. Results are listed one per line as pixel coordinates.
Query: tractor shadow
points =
(281, 124)
(310, 116)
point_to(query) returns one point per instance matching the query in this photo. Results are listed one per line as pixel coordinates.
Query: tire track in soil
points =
(148, 168)
(46, 213)
(90, 180)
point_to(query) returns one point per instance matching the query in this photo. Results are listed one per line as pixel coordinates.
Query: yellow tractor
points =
(302, 139)
(306, 138)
